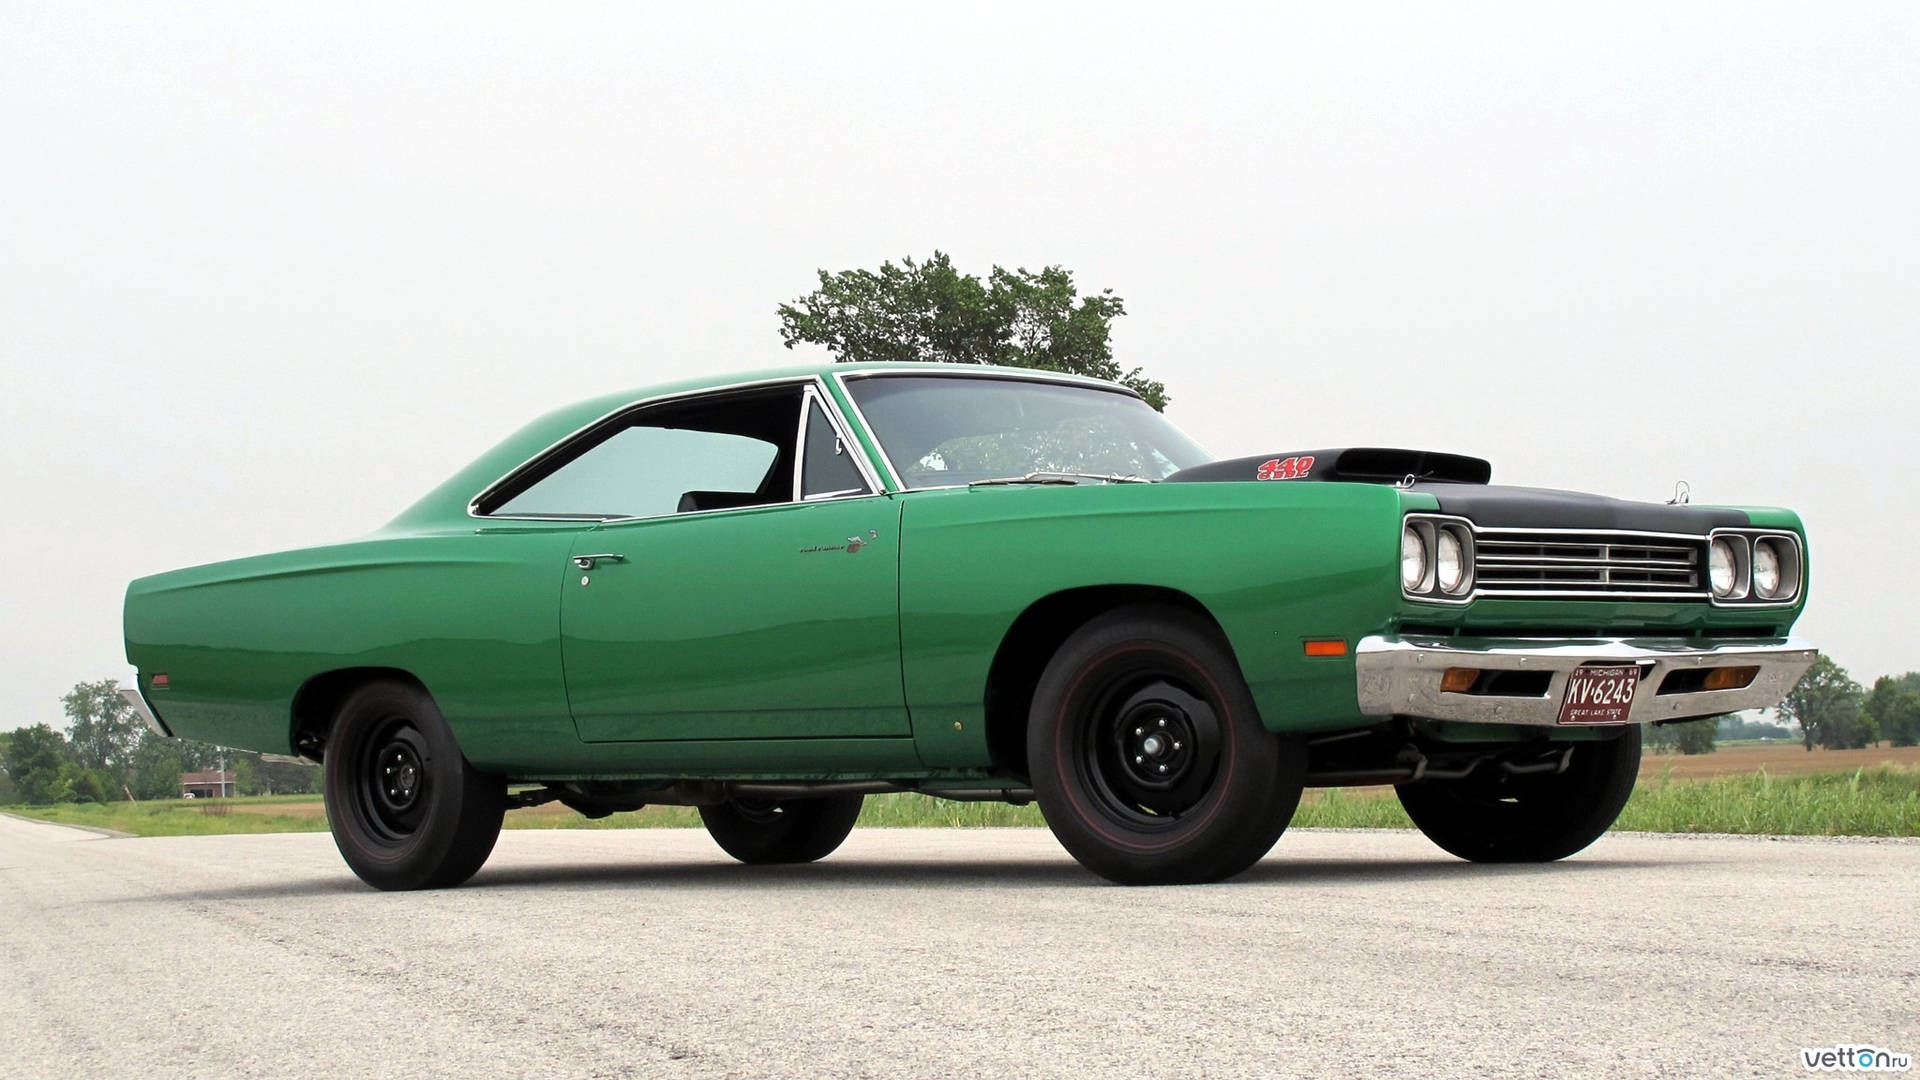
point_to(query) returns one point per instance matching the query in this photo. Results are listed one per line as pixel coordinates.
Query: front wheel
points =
(764, 831)
(406, 808)
(1490, 816)
(1148, 757)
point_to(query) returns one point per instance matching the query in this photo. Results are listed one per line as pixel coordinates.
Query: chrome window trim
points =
(879, 451)
(880, 448)
(810, 383)
(817, 394)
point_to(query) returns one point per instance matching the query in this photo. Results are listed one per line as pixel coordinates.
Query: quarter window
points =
(827, 467)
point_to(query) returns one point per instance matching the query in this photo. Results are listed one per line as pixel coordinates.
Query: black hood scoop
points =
(1460, 485)
(1351, 465)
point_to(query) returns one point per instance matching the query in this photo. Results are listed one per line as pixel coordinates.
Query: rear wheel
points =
(762, 831)
(1490, 816)
(1148, 757)
(406, 809)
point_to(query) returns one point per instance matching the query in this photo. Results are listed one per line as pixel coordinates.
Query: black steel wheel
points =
(1491, 816)
(1148, 757)
(762, 831)
(406, 809)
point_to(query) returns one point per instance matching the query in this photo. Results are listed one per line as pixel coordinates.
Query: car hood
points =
(1460, 485)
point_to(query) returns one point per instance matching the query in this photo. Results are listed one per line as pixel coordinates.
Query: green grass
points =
(1351, 808)
(178, 817)
(1883, 801)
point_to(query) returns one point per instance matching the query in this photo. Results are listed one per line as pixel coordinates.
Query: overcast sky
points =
(269, 272)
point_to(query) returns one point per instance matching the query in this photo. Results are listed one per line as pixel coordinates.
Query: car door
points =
(749, 588)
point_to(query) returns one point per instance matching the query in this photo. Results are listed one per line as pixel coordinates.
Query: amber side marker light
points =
(1336, 647)
(1459, 680)
(1730, 678)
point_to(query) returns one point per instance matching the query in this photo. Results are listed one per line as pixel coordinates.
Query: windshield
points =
(941, 431)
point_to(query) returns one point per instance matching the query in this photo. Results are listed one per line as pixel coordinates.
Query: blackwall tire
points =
(768, 831)
(1492, 817)
(406, 809)
(1148, 756)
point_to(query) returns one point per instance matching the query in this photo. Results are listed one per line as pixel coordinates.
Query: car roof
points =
(447, 503)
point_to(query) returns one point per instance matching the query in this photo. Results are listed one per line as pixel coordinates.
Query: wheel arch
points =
(1036, 635)
(317, 703)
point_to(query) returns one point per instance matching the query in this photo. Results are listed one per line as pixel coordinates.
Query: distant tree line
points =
(1829, 708)
(1835, 712)
(107, 753)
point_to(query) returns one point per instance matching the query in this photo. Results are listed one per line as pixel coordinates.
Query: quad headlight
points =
(1766, 569)
(1450, 562)
(1723, 568)
(1750, 566)
(1413, 559)
(1436, 558)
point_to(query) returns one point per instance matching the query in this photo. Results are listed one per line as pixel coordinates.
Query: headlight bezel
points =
(1785, 546)
(1429, 529)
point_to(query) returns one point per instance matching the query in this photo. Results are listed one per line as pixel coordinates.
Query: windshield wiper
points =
(1059, 478)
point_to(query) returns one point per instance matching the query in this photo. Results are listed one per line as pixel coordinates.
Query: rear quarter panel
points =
(474, 617)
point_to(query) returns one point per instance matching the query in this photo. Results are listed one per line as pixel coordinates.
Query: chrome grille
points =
(1526, 563)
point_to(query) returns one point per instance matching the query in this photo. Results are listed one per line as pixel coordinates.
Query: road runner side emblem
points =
(851, 547)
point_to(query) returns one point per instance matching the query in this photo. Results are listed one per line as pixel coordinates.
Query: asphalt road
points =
(949, 953)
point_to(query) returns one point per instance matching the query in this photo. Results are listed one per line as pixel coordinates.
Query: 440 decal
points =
(1293, 468)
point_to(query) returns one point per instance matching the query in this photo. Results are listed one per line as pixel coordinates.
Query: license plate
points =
(1599, 695)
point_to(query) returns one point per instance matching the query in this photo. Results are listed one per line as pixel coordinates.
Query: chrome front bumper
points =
(1401, 676)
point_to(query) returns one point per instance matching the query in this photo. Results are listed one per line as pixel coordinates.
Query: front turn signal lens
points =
(1333, 647)
(1730, 678)
(1459, 680)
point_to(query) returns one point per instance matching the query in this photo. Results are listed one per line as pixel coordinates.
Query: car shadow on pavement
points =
(722, 874)
(990, 874)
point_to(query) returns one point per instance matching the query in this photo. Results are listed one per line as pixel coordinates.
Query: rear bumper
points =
(1401, 676)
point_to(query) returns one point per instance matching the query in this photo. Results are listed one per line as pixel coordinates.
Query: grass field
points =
(1758, 791)
(1777, 758)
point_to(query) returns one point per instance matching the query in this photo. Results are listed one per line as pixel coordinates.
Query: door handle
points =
(586, 562)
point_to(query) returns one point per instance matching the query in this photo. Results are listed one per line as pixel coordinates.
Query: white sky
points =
(269, 272)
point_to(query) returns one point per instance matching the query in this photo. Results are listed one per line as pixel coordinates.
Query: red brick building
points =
(212, 784)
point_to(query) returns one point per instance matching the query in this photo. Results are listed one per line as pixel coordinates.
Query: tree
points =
(1687, 737)
(35, 759)
(1894, 705)
(1829, 707)
(245, 779)
(930, 311)
(104, 729)
(1697, 736)
(157, 766)
(8, 793)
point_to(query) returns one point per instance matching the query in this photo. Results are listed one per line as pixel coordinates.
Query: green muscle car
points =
(770, 596)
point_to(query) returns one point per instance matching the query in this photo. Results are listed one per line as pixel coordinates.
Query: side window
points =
(712, 453)
(826, 466)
